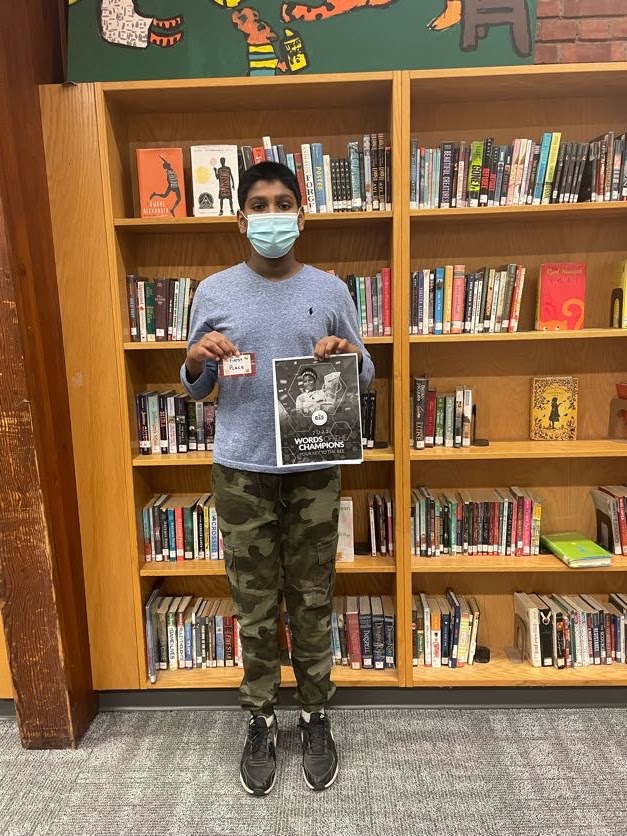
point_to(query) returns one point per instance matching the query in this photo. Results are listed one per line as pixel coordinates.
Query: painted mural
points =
(133, 39)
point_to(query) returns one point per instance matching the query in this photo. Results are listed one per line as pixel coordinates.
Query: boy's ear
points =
(242, 223)
(300, 220)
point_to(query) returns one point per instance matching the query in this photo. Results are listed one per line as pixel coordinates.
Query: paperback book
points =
(215, 178)
(576, 550)
(317, 411)
(553, 408)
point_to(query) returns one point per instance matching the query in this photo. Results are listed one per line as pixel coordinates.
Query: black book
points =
(507, 170)
(180, 420)
(446, 174)
(484, 184)
(531, 182)
(557, 177)
(494, 163)
(372, 418)
(365, 631)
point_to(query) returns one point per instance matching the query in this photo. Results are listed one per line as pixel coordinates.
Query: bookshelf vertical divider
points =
(581, 100)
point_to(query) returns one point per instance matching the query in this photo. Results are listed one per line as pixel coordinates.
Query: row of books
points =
(372, 296)
(570, 631)
(360, 181)
(177, 527)
(444, 630)
(158, 309)
(483, 173)
(498, 521)
(439, 420)
(447, 300)
(610, 504)
(184, 632)
(180, 527)
(170, 422)
(363, 631)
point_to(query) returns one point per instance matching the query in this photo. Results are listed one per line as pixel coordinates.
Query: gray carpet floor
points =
(459, 772)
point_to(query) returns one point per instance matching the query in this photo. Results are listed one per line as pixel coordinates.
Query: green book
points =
(149, 294)
(576, 550)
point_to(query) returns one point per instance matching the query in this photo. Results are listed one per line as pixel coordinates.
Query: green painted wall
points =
(373, 38)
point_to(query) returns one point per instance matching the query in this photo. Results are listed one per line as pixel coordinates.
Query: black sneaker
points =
(320, 763)
(258, 765)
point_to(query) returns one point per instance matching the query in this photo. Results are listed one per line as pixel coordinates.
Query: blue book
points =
(454, 627)
(171, 533)
(317, 164)
(289, 161)
(545, 146)
(438, 316)
(421, 302)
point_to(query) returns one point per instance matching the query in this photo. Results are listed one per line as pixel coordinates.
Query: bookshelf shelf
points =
(231, 678)
(500, 671)
(361, 565)
(543, 214)
(178, 345)
(169, 226)
(524, 336)
(501, 450)
(384, 454)
(504, 564)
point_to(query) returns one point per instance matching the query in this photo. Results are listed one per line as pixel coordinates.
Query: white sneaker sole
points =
(271, 787)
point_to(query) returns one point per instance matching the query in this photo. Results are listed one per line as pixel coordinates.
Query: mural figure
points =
(120, 23)
(263, 59)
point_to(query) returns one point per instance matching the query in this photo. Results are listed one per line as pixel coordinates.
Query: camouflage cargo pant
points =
(280, 537)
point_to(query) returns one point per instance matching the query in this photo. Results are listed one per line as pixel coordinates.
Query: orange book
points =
(561, 296)
(161, 183)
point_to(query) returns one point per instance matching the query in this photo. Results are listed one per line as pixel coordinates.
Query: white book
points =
(345, 541)
(308, 174)
(215, 178)
(328, 186)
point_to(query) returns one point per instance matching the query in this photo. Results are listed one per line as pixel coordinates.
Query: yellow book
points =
(553, 408)
(618, 308)
(448, 298)
(550, 167)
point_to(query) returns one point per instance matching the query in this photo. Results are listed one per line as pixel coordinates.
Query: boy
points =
(279, 524)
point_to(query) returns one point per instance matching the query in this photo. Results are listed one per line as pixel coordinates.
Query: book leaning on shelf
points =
(184, 632)
(447, 300)
(158, 309)
(497, 521)
(171, 423)
(480, 173)
(570, 631)
(445, 630)
(610, 505)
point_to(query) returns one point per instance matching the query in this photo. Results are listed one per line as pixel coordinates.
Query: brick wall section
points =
(581, 30)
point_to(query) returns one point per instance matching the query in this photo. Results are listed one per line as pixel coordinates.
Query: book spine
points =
(308, 175)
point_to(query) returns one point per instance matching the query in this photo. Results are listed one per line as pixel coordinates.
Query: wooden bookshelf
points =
(191, 568)
(231, 678)
(6, 689)
(99, 126)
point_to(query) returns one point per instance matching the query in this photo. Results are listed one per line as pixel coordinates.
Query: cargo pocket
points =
(322, 577)
(250, 577)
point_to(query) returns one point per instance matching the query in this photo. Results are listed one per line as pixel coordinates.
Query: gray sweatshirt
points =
(273, 319)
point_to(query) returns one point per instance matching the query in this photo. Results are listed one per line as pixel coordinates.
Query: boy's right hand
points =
(211, 346)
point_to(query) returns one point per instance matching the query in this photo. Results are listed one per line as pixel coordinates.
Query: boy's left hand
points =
(334, 345)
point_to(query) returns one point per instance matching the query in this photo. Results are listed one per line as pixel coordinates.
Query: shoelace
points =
(258, 733)
(317, 728)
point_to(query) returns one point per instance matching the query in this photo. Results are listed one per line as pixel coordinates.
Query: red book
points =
(259, 154)
(161, 183)
(561, 296)
(179, 533)
(353, 639)
(298, 165)
(430, 419)
(386, 296)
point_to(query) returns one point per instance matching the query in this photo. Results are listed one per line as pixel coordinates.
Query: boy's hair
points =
(270, 172)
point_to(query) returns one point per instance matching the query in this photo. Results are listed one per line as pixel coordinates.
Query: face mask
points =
(272, 234)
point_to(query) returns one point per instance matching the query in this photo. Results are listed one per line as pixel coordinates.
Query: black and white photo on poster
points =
(317, 410)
